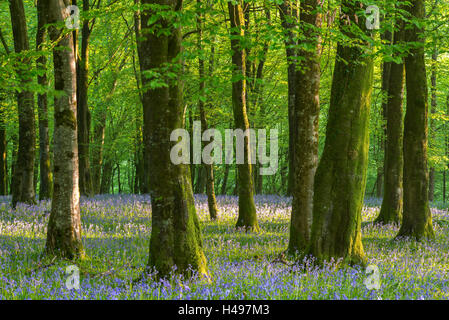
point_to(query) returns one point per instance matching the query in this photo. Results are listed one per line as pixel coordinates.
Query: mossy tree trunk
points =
(380, 154)
(106, 176)
(446, 149)
(433, 110)
(23, 182)
(258, 94)
(210, 173)
(64, 226)
(46, 177)
(83, 113)
(288, 11)
(3, 141)
(142, 152)
(307, 106)
(340, 178)
(3, 151)
(176, 235)
(210, 185)
(417, 218)
(225, 180)
(97, 154)
(247, 218)
(391, 209)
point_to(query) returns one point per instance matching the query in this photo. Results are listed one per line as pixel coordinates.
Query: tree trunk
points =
(247, 218)
(444, 185)
(433, 110)
(417, 218)
(3, 151)
(225, 179)
(257, 101)
(200, 184)
(193, 167)
(23, 186)
(209, 168)
(118, 179)
(176, 235)
(386, 71)
(36, 170)
(289, 14)
(446, 148)
(64, 226)
(391, 209)
(106, 177)
(83, 113)
(13, 164)
(143, 153)
(97, 156)
(46, 177)
(307, 106)
(341, 174)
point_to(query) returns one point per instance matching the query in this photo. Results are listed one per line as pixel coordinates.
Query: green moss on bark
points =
(417, 218)
(247, 218)
(176, 235)
(391, 209)
(341, 174)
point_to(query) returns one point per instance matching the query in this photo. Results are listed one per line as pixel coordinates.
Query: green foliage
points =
(113, 55)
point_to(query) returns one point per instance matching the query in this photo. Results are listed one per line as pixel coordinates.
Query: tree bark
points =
(247, 218)
(106, 177)
(225, 180)
(176, 235)
(209, 168)
(391, 209)
(23, 186)
(340, 178)
(433, 110)
(417, 218)
(97, 156)
(46, 177)
(446, 148)
(386, 71)
(144, 165)
(3, 151)
(64, 226)
(83, 113)
(289, 15)
(307, 106)
(200, 184)
(257, 97)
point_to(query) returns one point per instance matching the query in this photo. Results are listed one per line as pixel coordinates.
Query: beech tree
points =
(391, 209)
(83, 112)
(23, 183)
(210, 184)
(247, 209)
(46, 177)
(433, 110)
(288, 10)
(3, 142)
(3, 151)
(176, 235)
(307, 106)
(417, 218)
(341, 174)
(64, 225)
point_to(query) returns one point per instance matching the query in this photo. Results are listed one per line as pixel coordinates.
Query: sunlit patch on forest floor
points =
(243, 265)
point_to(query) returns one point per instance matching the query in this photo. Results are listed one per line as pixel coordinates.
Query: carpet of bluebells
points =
(116, 231)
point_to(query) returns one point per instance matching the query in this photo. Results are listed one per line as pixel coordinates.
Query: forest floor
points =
(116, 232)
